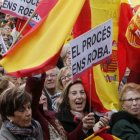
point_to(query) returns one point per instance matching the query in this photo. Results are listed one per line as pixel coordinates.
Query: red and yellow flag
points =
(101, 134)
(43, 9)
(105, 75)
(103, 86)
(39, 49)
(124, 19)
(133, 38)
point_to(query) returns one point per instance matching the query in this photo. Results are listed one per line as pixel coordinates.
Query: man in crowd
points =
(50, 88)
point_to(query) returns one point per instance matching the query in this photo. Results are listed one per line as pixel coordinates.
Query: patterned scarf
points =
(27, 133)
(54, 134)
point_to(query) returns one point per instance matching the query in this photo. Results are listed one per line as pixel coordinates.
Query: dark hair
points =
(11, 100)
(64, 106)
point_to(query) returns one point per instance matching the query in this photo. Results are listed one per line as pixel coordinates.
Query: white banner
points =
(21, 8)
(91, 47)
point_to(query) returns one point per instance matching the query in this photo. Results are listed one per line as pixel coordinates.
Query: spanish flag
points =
(105, 76)
(101, 82)
(39, 49)
(133, 38)
(83, 24)
(124, 19)
(43, 9)
(101, 134)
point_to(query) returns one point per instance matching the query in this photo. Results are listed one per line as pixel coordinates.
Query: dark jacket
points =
(70, 122)
(35, 86)
(125, 126)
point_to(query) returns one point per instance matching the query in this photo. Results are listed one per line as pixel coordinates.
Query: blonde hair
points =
(129, 87)
(59, 81)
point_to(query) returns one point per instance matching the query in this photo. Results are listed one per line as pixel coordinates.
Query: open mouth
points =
(79, 104)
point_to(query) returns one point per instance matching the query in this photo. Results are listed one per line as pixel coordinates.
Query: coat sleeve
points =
(77, 133)
(34, 85)
(126, 130)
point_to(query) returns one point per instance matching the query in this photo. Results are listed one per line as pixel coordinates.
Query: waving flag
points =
(124, 19)
(102, 135)
(101, 82)
(82, 25)
(105, 76)
(133, 38)
(40, 48)
(42, 9)
(133, 48)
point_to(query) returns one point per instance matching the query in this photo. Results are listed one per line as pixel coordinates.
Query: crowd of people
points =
(50, 106)
(7, 28)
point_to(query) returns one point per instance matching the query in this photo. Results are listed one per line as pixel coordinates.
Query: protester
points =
(6, 34)
(11, 19)
(50, 89)
(6, 38)
(51, 126)
(5, 83)
(15, 109)
(126, 123)
(64, 76)
(74, 107)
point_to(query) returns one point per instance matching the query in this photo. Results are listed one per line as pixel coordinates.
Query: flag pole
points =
(90, 76)
(29, 19)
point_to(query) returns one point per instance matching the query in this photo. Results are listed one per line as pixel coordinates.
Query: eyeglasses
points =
(66, 77)
(131, 100)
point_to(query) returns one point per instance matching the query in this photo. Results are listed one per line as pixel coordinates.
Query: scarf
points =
(23, 133)
(78, 116)
(54, 134)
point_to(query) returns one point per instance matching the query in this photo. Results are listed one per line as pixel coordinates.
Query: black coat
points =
(125, 126)
(67, 120)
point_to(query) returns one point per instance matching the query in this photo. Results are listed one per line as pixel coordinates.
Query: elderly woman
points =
(15, 109)
(126, 123)
(74, 108)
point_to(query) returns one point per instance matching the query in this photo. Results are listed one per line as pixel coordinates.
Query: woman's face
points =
(77, 97)
(7, 29)
(131, 102)
(22, 117)
(66, 77)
